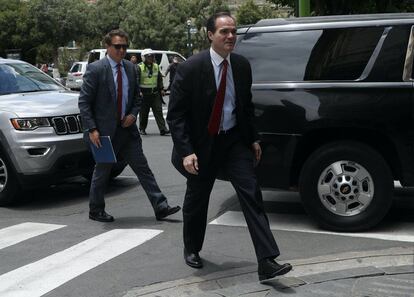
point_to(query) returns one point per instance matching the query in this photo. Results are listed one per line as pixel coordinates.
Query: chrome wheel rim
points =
(3, 175)
(345, 188)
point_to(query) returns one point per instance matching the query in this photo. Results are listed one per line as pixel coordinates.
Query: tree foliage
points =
(39, 27)
(162, 24)
(250, 13)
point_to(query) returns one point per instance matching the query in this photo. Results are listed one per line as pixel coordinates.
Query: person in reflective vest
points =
(151, 85)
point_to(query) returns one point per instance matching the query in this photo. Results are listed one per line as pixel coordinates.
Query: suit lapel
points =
(210, 83)
(110, 79)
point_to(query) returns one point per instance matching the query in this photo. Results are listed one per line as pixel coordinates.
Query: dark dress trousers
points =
(97, 104)
(191, 101)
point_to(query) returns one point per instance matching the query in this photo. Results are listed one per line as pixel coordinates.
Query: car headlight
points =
(30, 123)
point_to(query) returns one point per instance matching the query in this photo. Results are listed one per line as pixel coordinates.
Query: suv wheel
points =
(346, 186)
(8, 182)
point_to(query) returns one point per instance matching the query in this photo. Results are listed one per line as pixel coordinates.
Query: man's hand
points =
(162, 93)
(128, 120)
(257, 150)
(191, 164)
(94, 137)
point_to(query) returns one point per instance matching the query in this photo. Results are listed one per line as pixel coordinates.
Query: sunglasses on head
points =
(119, 46)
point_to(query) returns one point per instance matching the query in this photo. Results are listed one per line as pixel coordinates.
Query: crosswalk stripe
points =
(21, 232)
(40, 277)
(151, 115)
(300, 223)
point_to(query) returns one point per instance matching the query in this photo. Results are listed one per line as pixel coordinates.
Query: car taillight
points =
(77, 74)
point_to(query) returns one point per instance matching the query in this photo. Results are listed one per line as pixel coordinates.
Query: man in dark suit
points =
(109, 103)
(210, 119)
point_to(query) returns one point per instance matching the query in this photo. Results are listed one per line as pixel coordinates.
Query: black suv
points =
(334, 106)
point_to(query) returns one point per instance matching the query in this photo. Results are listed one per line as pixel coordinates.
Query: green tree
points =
(108, 15)
(162, 24)
(55, 23)
(15, 24)
(250, 13)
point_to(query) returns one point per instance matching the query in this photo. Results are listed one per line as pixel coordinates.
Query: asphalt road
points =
(49, 247)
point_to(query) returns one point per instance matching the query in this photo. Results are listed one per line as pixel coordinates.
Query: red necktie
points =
(119, 94)
(215, 118)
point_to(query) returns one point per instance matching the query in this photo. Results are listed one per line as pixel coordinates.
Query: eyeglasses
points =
(119, 46)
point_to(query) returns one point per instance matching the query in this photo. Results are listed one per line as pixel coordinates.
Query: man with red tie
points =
(109, 103)
(210, 118)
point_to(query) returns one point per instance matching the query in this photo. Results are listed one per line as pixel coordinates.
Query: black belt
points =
(228, 131)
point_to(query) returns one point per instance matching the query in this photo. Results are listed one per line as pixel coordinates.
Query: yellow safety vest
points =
(147, 80)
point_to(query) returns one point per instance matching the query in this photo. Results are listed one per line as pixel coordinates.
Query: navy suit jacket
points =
(191, 101)
(97, 98)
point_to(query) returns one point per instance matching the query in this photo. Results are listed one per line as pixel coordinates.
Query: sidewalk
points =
(380, 273)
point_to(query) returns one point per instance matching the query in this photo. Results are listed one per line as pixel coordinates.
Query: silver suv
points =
(40, 130)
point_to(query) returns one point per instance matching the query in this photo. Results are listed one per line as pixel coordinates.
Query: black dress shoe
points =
(193, 259)
(165, 212)
(142, 132)
(269, 268)
(164, 132)
(101, 216)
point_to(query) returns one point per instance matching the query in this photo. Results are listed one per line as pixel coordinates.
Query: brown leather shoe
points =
(167, 211)
(193, 259)
(269, 268)
(101, 216)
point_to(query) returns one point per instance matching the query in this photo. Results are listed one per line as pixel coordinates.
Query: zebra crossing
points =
(42, 276)
(164, 112)
(403, 231)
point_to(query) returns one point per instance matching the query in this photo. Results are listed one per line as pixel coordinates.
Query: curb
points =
(316, 270)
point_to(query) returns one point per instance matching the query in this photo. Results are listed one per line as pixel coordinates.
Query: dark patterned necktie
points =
(215, 118)
(119, 94)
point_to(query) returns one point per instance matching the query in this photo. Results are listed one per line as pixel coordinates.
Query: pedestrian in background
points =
(210, 116)
(44, 68)
(172, 68)
(134, 59)
(109, 103)
(152, 90)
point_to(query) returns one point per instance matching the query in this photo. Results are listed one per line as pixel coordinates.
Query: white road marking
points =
(38, 278)
(301, 223)
(21, 232)
(151, 115)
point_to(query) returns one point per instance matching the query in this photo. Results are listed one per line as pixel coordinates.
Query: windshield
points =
(23, 77)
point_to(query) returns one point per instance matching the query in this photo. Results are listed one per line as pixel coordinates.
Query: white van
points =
(162, 58)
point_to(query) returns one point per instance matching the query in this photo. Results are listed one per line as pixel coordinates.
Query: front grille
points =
(66, 124)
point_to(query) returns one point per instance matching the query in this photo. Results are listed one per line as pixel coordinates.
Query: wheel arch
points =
(312, 140)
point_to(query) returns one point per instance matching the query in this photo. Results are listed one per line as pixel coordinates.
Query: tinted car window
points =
(158, 58)
(331, 54)
(75, 68)
(389, 65)
(138, 55)
(171, 56)
(94, 57)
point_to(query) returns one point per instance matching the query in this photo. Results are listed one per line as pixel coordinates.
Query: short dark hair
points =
(116, 32)
(211, 22)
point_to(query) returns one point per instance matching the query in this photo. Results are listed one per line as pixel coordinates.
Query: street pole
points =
(304, 8)
(189, 45)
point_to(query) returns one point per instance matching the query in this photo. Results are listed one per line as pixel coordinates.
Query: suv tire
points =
(346, 186)
(9, 187)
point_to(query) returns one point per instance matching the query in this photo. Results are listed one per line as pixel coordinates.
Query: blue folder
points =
(105, 153)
